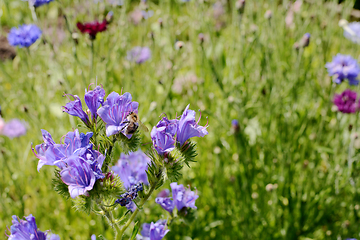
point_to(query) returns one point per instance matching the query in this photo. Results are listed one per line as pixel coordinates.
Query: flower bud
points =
(235, 126)
(179, 45)
(201, 38)
(109, 17)
(160, 21)
(240, 5)
(268, 14)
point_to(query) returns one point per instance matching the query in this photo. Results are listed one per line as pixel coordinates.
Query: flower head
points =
(344, 67)
(181, 198)
(346, 101)
(352, 32)
(132, 168)
(24, 36)
(154, 231)
(163, 141)
(188, 127)
(74, 108)
(94, 99)
(14, 128)
(38, 3)
(114, 112)
(139, 54)
(27, 230)
(78, 175)
(92, 28)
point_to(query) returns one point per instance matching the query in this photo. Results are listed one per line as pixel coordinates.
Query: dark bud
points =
(75, 37)
(305, 40)
(268, 14)
(201, 38)
(350, 127)
(235, 126)
(263, 91)
(160, 21)
(179, 45)
(306, 163)
(25, 109)
(240, 5)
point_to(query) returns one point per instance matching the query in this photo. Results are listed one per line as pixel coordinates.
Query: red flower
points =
(92, 28)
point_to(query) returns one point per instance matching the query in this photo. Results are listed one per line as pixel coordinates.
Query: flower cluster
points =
(24, 36)
(344, 67)
(114, 113)
(131, 168)
(126, 198)
(168, 132)
(181, 198)
(92, 28)
(139, 54)
(27, 229)
(93, 100)
(347, 101)
(38, 3)
(154, 231)
(79, 163)
(12, 129)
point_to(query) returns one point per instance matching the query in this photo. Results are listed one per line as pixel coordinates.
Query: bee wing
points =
(143, 127)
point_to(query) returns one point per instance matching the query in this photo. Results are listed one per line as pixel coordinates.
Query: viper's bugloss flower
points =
(352, 32)
(235, 125)
(188, 127)
(78, 175)
(305, 40)
(139, 54)
(154, 231)
(38, 3)
(181, 197)
(24, 36)
(344, 67)
(163, 142)
(14, 128)
(346, 102)
(94, 99)
(27, 230)
(132, 167)
(114, 112)
(92, 28)
(170, 125)
(74, 108)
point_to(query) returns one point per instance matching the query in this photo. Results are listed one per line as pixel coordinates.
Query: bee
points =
(133, 123)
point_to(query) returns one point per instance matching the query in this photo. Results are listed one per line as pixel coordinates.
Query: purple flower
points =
(93, 99)
(38, 3)
(352, 32)
(154, 231)
(132, 168)
(344, 67)
(163, 142)
(346, 101)
(27, 230)
(24, 36)
(181, 197)
(74, 108)
(114, 112)
(14, 128)
(93, 237)
(78, 175)
(52, 237)
(139, 54)
(166, 203)
(188, 127)
(164, 193)
(50, 153)
(170, 125)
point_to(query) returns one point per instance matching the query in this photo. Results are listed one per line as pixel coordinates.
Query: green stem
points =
(133, 215)
(92, 58)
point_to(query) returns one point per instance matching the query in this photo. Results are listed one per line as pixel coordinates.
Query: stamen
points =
(199, 118)
(91, 84)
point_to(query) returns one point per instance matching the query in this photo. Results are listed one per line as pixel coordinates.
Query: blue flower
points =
(78, 175)
(154, 231)
(38, 3)
(24, 36)
(74, 108)
(93, 99)
(352, 32)
(132, 168)
(344, 67)
(114, 112)
(163, 141)
(27, 230)
(181, 198)
(139, 54)
(188, 127)
(14, 128)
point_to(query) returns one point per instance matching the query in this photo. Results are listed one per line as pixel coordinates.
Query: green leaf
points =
(59, 186)
(135, 231)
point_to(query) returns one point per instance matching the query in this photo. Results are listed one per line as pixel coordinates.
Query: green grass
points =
(246, 70)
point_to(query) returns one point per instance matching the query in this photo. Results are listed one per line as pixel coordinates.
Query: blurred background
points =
(287, 168)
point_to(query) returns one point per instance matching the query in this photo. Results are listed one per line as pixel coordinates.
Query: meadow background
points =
(290, 172)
